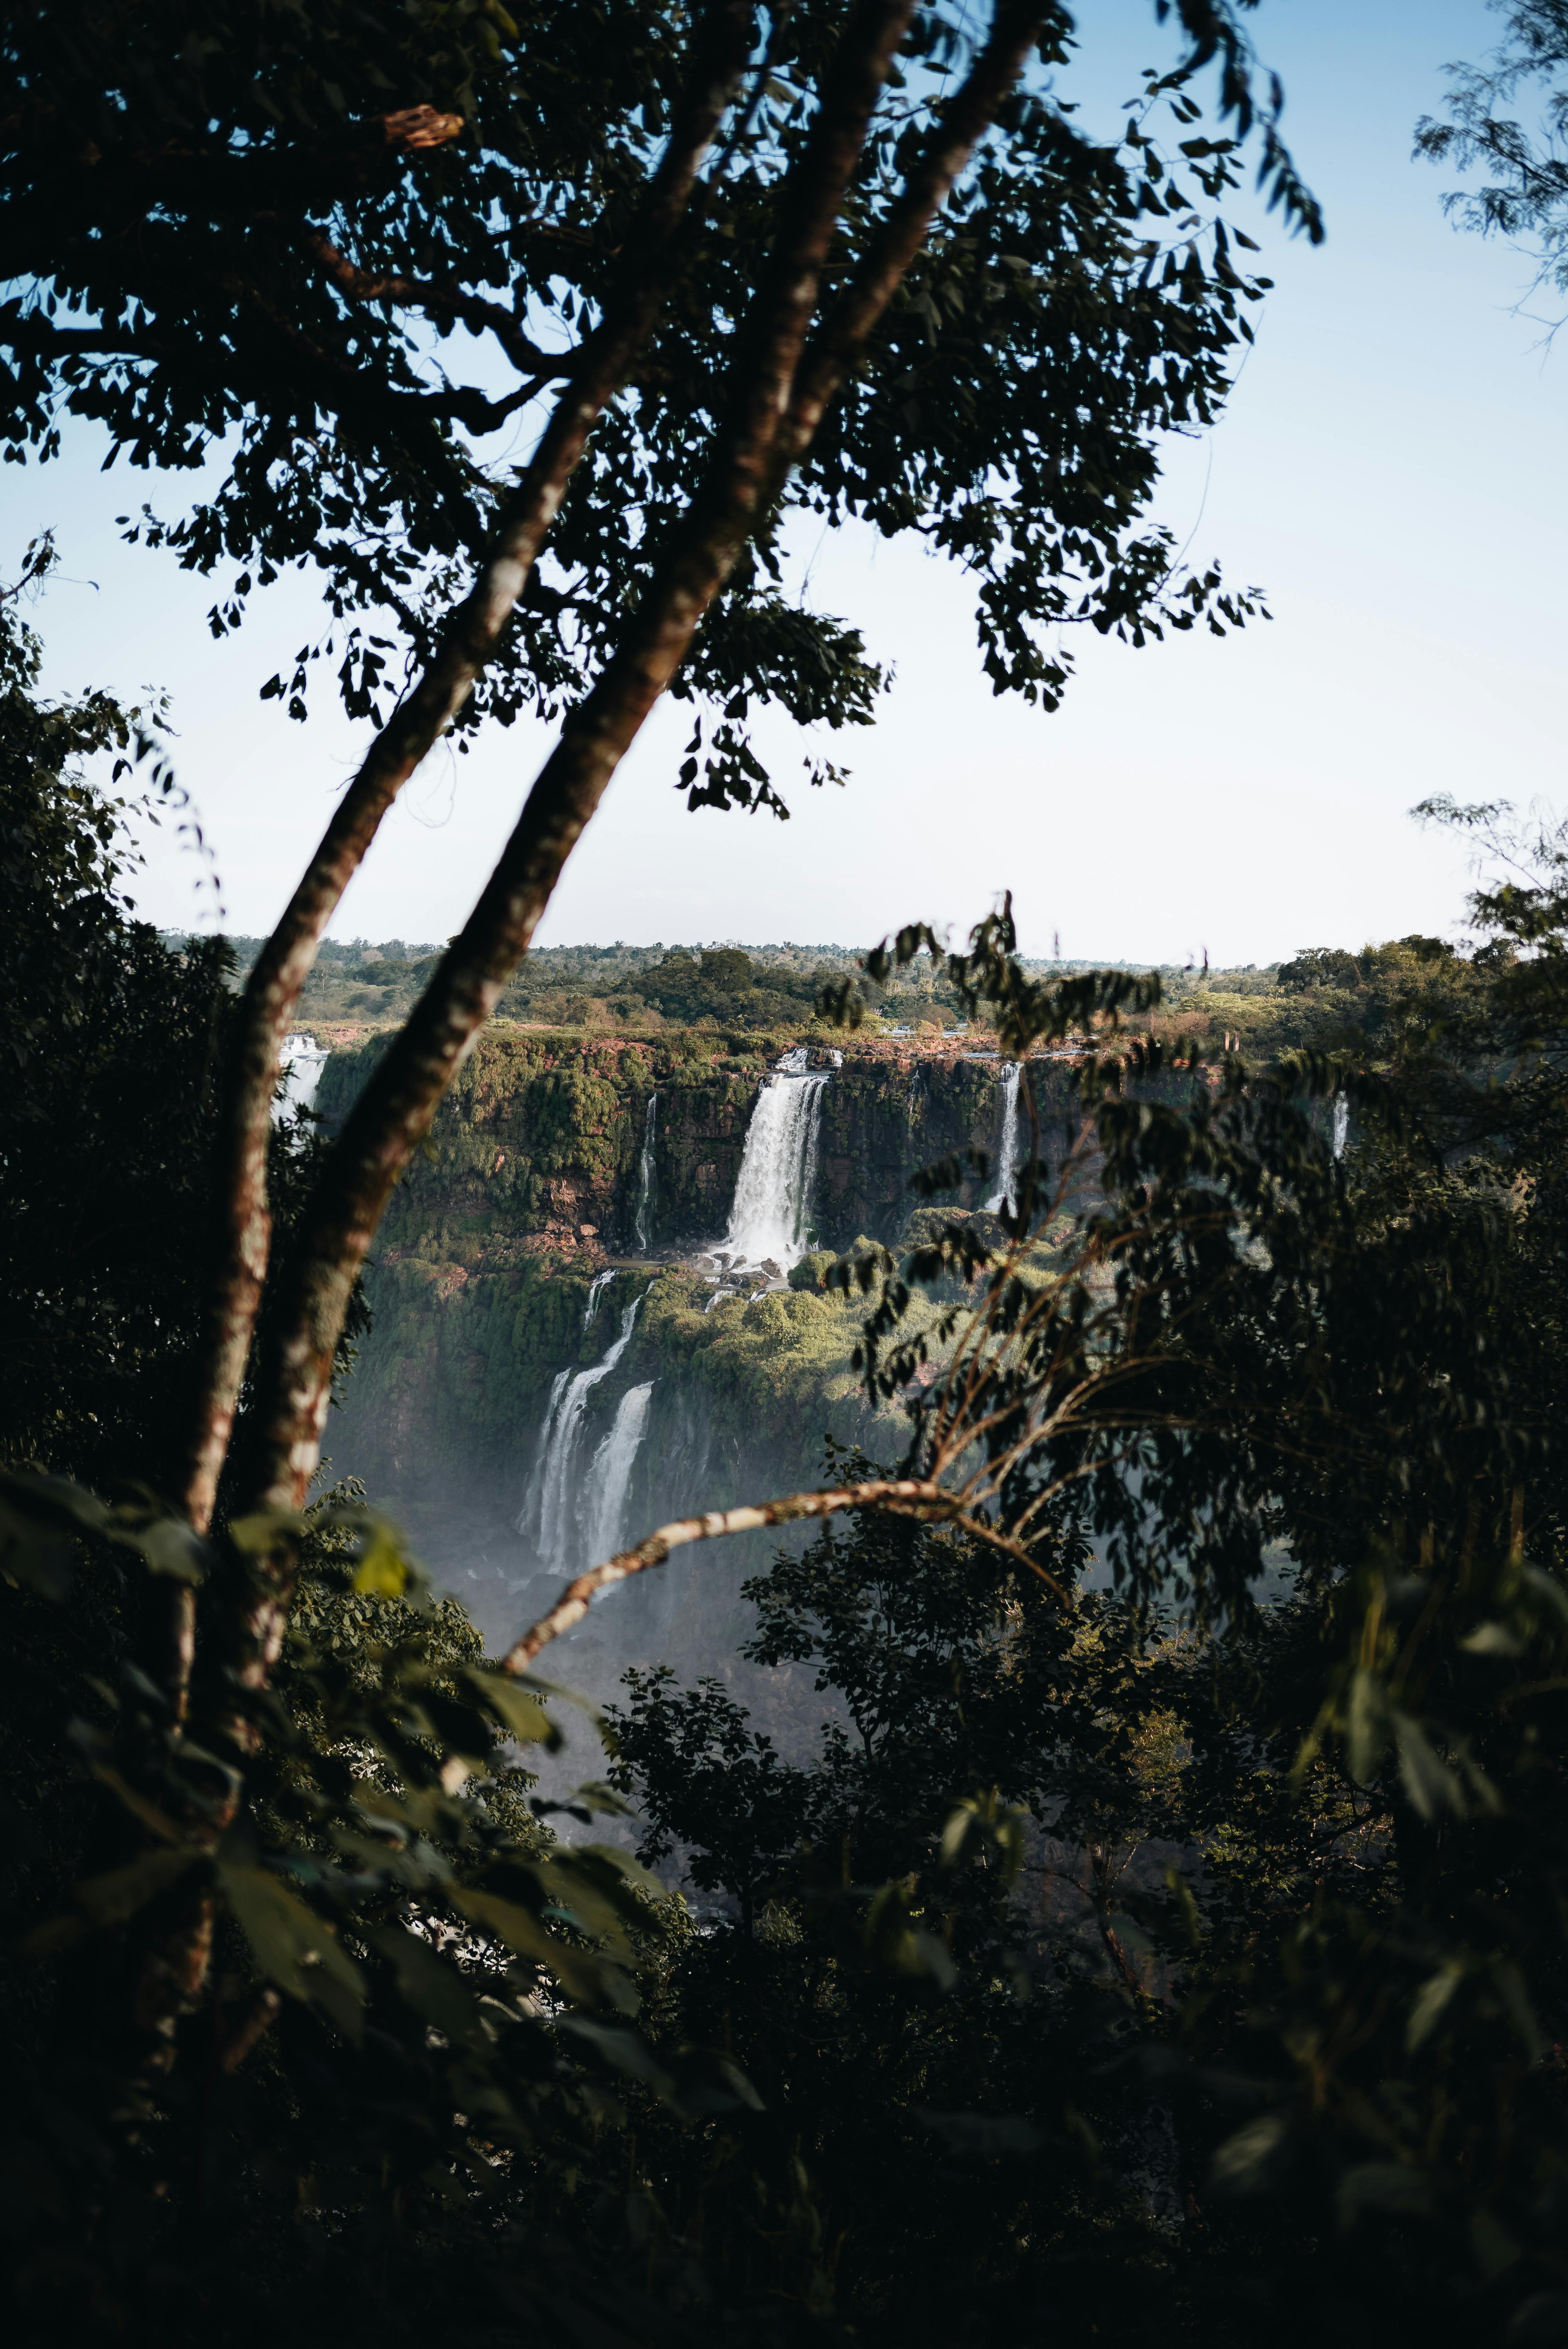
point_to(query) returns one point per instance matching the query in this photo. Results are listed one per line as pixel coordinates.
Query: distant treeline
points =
(1322, 996)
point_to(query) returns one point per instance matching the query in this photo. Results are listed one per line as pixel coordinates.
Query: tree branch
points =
(254, 2025)
(301, 371)
(439, 300)
(968, 115)
(914, 1495)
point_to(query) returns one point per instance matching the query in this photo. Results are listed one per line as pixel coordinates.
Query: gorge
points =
(595, 1300)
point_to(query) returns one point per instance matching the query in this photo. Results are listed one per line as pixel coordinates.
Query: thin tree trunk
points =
(397, 1106)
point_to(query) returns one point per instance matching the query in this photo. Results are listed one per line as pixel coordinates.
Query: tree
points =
(1525, 194)
(815, 163)
(107, 1113)
(108, 1118)
(1342, 2006)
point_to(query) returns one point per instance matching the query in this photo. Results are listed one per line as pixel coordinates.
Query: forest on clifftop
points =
(1322, 996)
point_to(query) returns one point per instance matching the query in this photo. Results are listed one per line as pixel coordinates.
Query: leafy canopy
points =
(324, 264)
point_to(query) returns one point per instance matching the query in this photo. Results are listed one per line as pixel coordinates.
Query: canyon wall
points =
(508, 1268)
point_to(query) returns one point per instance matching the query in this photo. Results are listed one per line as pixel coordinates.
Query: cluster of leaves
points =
(115, 1041)
(1290, 1912)
(956, 2078)
(723, 984)
(352, 249)
(110, 1040)
(422, 2001)
(1525, 196)
(1119, 1933)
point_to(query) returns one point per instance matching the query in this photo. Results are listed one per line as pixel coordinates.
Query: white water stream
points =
(770, 1220)
(557, 1503)
(645, 1177)
(1009, 1153)
(596, 1288)
(302, 1063)
(610, 1476)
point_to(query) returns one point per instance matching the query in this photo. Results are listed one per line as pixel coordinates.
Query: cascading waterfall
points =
(645, 1177)
(769, 1220)
(302, 1063)
(596, 1288)
(610, 1476)
(551, 1512)
(1002, 1199)
(1341, 1124)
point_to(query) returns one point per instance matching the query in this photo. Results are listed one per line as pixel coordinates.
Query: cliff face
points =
(539, 1137)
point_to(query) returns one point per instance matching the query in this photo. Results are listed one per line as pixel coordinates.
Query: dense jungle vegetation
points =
(1322, 996)
(1168, 1931)
(1136, 1947)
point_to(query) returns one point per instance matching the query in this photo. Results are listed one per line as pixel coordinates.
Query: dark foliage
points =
(113, 1042)
(1525, 191)
(105, 1108)
(724, 985)
(354, 246)
(1166, 1928)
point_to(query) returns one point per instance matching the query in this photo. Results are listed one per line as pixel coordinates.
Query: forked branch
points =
(470, 640)
(398, 1105)
(762, 436)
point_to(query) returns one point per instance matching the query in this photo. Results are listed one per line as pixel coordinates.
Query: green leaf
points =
(520, 1714)
(598, 1795)
(264, 1530)
(292, 1945)
(382, 1570)
(1365, 1724)
(1547, 1589)
(1432, 1787)
(1492, 1639)
(429, 1984)
(1429, 2002)
(1241, 2164)
(582, 1976)
(627, 2050)
(170, 1546)
(38, 1514)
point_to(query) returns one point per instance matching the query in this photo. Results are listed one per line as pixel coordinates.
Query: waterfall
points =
(552, 1509)
(1002, 1198)
(302, 1063)
(778, 1173)
(645, 1177)
(610, 1476)
(1341, 1124)
(596, 1288)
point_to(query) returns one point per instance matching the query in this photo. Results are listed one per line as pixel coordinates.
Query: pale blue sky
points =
(1390, 472)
